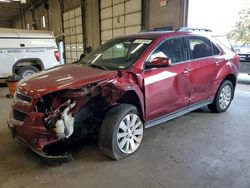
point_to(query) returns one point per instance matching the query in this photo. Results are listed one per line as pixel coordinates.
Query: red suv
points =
(128, 84)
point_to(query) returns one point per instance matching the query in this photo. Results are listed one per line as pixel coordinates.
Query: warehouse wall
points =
(173, 14)
(92, 26)
(53, 16)
(5, 25)
(54, 19)
(153, 15)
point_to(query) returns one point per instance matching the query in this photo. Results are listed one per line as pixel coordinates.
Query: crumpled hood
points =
(63, 77)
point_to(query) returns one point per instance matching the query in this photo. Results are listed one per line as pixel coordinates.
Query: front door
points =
(167, 89)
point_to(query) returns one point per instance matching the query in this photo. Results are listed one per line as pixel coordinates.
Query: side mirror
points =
(159, 62)
(88, 50)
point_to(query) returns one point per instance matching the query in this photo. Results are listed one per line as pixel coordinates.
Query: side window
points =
(216, 51)
(200, 47)
(174, 48)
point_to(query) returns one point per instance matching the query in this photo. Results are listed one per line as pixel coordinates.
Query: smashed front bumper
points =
(37, 145)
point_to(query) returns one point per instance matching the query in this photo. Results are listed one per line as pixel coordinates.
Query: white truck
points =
(25, 52)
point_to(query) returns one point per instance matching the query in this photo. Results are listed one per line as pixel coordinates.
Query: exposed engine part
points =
(64, 127)
(80, 96)
(52, 116)
(75, 120)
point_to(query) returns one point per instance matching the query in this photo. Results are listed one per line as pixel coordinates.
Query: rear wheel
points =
(121, 132)
(27, 71)
(223, 97)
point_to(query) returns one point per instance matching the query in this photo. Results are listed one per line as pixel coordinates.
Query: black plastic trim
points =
(177, 113)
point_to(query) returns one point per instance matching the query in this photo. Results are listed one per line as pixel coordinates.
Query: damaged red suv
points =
(128, 84)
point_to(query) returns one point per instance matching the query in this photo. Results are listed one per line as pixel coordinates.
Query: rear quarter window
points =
(200, 47)
(216, 50)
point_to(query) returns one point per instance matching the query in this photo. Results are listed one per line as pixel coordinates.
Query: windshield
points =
(117, 54)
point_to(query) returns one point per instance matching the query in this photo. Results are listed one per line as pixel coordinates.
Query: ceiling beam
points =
(13, 5)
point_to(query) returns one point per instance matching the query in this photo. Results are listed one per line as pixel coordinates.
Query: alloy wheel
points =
(28, 73)
(225, 97)
(130, 133)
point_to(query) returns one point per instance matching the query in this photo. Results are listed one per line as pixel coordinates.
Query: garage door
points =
(119, 17)
(72, 21)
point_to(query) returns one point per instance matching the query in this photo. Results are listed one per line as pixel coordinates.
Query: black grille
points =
(17, 115)
(23, 97)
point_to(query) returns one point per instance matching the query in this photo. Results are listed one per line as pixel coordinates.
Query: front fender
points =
(115, 89)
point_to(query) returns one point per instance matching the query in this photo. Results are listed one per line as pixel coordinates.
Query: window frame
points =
(163, 41)
(212, 44)
(119, 39)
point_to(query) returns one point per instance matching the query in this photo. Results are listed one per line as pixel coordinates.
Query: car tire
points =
(223, 97)
(27, 71)
(121, 132)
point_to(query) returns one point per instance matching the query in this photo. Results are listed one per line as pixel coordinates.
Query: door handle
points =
(187, 70)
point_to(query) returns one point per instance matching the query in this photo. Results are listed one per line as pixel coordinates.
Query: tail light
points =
(57, 55)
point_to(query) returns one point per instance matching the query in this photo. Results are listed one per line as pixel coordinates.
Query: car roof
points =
(165, 32)
(154, 34)
(162, 34)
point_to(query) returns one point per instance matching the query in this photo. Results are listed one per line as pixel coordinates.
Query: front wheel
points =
(223, 97)
(121, 132)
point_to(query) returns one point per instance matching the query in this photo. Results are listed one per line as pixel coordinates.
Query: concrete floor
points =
(199, 149)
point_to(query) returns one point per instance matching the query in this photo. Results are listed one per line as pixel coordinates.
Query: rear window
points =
(224, 41)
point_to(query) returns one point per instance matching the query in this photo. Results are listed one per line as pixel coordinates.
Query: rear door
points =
(204, 67)
(167, 89)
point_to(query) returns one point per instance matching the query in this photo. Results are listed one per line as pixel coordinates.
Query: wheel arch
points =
(131, 97)
(232, 78)
(227, 72)
(31, 61)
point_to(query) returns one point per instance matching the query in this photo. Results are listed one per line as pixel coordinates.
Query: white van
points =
(25, 52)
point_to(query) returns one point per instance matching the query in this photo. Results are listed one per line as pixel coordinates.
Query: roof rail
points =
(167, 28)
(193, 29)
